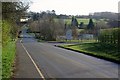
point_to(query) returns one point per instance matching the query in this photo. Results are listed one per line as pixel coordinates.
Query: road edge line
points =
(40, 73)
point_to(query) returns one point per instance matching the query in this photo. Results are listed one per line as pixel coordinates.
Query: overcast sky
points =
(75, 7)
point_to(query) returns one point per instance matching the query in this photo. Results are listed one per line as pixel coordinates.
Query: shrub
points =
(5, 33)
(109, 36)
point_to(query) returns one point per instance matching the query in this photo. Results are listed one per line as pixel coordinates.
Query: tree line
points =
(11, 14)
(46, 26)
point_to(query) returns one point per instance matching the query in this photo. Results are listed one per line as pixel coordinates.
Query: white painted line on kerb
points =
(40, 73)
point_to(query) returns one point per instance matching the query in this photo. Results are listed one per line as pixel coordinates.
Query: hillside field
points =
(84, 20)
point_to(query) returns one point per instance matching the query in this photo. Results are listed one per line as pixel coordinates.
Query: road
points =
(54, 62)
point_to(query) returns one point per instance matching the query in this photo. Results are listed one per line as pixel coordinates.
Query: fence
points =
(109, 39)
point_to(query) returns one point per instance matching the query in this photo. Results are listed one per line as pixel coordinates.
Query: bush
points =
(109, 36)
(8, 48)
(5, 33)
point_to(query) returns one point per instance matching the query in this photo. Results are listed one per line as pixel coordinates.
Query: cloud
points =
(75, 6)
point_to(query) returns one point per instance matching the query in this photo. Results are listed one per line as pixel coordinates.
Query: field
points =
(84, 20)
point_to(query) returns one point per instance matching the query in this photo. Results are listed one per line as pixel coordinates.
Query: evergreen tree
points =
(81, 25)
(90, 25)
(74, 22)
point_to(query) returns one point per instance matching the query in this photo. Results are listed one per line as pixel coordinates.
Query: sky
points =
(74, 7)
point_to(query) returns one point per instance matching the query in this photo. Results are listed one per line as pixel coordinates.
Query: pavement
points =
(49, 61)
(24, 65)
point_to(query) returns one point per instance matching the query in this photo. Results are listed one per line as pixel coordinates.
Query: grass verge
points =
(8, 56)
(107, 52)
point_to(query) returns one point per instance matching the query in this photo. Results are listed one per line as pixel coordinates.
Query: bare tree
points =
(48, 27)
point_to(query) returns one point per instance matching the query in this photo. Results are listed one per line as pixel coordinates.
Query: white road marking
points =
(40, 73)
(21, 41)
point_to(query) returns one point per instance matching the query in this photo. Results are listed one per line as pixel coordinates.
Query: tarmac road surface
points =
(54, 62)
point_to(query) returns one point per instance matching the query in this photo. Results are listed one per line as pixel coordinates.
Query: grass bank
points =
(107, 52)
(8, 57)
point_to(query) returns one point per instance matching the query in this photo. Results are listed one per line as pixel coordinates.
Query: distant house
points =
(86, 36)
(24, 19)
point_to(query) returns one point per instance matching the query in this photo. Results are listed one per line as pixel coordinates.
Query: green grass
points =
(79, 41)
(0, 51)
(85, 20)
(32, 34)
(107, 51)
(68, 21)
(70, 41)
(8, 56)
(109, 30)
(39, 40)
